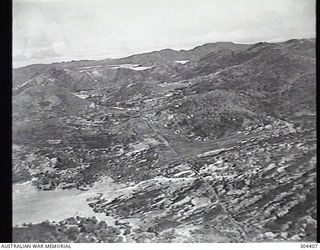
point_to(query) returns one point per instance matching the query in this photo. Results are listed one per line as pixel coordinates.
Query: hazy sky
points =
(62, 30)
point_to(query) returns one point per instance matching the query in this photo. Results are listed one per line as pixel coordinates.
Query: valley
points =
(212, 144)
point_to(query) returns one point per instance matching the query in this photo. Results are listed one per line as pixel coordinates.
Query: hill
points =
(212, 144)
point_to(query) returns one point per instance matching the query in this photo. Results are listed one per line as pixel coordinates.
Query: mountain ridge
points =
(225, 142)
(110, 60)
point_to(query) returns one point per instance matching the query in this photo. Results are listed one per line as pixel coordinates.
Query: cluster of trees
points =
(76, 230)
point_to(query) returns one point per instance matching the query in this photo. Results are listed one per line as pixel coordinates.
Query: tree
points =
(72, 232)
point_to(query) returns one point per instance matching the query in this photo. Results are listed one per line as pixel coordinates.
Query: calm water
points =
(33, 206)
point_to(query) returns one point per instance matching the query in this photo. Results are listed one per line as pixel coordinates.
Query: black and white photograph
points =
(172, 121)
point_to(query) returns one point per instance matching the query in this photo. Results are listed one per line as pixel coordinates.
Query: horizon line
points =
(145, 52)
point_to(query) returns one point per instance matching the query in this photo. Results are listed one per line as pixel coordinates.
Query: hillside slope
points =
(212, 144)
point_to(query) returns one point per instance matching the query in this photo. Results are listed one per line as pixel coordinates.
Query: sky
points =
(46, 31)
